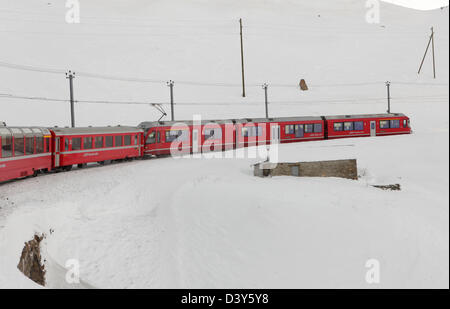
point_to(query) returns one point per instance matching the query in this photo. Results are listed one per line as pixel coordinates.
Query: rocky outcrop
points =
(30, 263)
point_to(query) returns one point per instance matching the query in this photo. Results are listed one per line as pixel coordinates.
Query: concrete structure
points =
(335, 168)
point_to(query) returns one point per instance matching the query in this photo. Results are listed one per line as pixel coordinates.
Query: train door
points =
(373, 128)
(275, 134)
(57, 151)
(299, 130)
(195, 141)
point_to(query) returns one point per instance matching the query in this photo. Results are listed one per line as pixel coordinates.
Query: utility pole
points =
(432, 48)
(430, 41)
(265, 86)
(242, 58)
(170, 84)
(70, 76)
(388, 86)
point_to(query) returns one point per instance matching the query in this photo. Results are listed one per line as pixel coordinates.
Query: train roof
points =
(95, 130)
(365, 116)
(151, 124)
(21, 131)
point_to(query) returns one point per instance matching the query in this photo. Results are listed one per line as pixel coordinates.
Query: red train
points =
(28, 151)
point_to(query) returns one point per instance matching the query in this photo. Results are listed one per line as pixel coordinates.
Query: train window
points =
(87, 144)
(214, 133)
(244, 132)
(76, 143)
(119, 141)
(19, 146)
(395, 123)
(309, 128)
(338, 126)
(29, 145)
(289, 128)
(66, 144)
(404, 123)
(158, 137)
(99, 142)
(127, 140)
(40, 144)
(151, 139)
(348, 126)
(178, 135)
(255, 131)
(384, 124)
(317, 127)
(6, 146)
(109, 141)
(358, 125)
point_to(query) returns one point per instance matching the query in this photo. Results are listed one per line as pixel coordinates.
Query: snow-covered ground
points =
(210, 223)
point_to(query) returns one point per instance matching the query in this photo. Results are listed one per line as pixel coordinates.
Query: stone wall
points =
(334, 168)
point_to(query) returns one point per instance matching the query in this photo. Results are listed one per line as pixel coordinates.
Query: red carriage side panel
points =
(85, 145)
(367, 125)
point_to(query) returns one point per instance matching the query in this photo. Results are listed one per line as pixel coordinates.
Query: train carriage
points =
(24, 152)
(168, 137)
(299, 129)
(367, 125)
(79, 146)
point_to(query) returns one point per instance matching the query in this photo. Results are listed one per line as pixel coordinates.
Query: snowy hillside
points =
(210, 223)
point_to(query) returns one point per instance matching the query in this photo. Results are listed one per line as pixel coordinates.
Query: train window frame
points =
(316, 126)
(66, 144)
(394, 123)
(46, 145)
(151, 138)
(40, 147)
(87, 141)
(109, 141)
(19, 142)
(309, 128)
(245, 132)
(29, 146)
(99, 142)
(336, 125)
(127, 140)
(212, 133)
(348, 126)
(359, 124)
(387, 122)
(6, 140)
(118, 138)
(180, 135)
(290, 128)
(76, 143)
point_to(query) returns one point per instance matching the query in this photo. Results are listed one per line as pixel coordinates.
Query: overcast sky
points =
(420, 4)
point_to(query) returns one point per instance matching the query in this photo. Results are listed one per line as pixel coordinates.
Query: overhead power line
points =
(200, 83)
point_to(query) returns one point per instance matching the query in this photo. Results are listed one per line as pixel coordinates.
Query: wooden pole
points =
(70, 76)
(432, 48)
(265, 86)
(426, 51)
(242, 58)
